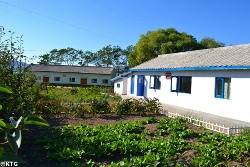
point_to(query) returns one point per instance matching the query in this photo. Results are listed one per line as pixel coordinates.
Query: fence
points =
(208, 125)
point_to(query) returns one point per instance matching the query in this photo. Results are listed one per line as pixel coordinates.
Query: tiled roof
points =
(237, 55)
(71, 69)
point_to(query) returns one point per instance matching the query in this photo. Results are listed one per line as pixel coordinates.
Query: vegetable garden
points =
(139, 141)
(109, 131)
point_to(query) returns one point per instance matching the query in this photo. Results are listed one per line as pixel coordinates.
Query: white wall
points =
(116, 89)
(202, 97)
(77, 77)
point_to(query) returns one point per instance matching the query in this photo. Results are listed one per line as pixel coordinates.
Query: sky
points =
(94, 24)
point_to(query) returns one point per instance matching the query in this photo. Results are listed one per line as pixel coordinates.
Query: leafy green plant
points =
(74, 91)
(130, 140)
(17, 77)
(100, 107)
(78, 95)
(139, 107)
(48, 107)
(13, 130)
(124, 107)
(152, 105)
(152, 120)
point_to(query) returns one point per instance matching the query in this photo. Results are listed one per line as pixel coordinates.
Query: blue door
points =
(140, 85)
(132, 84)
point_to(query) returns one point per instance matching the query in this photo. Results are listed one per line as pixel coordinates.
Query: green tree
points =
(110, 55)
(17, 78)
(154, 43)
(207, 43)
(67, 56)
(45, 59)
(51, 58)
(125, 55)
(86, 58)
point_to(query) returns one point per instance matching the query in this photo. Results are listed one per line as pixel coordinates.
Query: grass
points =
(78, 95)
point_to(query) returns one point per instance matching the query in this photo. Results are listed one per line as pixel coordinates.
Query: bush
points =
(113, 106)
(124, 107)
(48, 107)
(100, 107)
(139, 107)
(80, 110)
(152, 105)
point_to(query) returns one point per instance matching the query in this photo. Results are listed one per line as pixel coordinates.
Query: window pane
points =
(105, 81)
(94, 80)
(174, 83)
(180, 85)
(71, 79)
(56, 78)
(186, 88)
(219, 87)
(158, 82)
(152, 81)
(227, 86)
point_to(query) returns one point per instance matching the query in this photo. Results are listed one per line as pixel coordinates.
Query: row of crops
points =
(172, 144)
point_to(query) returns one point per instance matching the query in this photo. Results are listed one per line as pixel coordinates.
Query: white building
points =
(215, 81)
(83, 75)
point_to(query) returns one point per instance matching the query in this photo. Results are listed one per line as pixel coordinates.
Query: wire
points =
(62, 22)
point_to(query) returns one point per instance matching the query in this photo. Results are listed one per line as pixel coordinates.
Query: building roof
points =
(229, 56)
(121, 76)
(71, 69)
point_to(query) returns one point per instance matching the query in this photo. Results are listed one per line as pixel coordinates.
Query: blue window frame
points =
(222, 87)
(181, 84)
(155, 82)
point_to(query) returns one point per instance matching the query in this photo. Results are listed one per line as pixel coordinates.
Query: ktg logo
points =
(3, 164)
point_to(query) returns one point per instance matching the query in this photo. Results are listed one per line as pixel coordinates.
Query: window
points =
(94, 80)
(105, 81)
(39, 78)
(71, 79)
(56, 78)
(181, 84)
(155, 82)
(118, 85)
(222, 88)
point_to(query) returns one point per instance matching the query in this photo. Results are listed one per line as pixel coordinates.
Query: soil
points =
(35, 155)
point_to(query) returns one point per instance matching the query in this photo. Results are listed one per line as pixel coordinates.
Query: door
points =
(46, 79)
(140, 85)
(132, 84)
(84, 81)
(124, 87)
